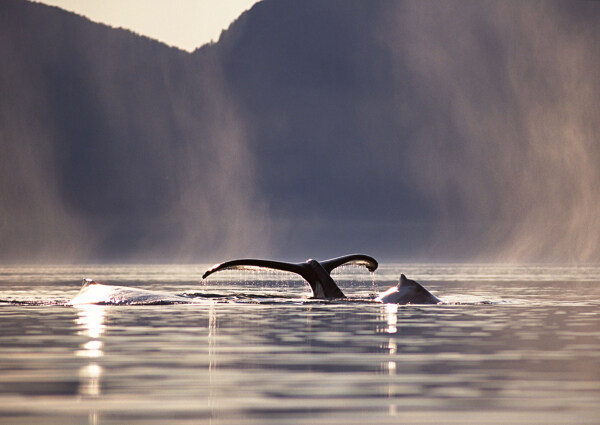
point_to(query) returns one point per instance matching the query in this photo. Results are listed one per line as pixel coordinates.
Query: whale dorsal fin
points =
(412, 285)
(87, 282)
(414, 292)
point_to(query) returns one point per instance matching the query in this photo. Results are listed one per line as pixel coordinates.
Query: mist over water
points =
(410, 130)
(117, 148)
(219, 209)
(33, 217)
(508, 151)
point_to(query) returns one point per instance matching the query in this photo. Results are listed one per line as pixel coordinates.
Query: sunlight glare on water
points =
(509, 344)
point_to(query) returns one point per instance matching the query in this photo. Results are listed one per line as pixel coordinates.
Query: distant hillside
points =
(412, 130)
(114, 146)
(418, 129)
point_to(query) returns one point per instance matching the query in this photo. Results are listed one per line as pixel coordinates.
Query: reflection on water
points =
(530, 357)
(389, 316)
(90, 321)
(212, 358)
(90, 380)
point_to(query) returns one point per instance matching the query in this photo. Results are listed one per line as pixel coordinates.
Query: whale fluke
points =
(252, 264)
(353, 260)
(317, 274)
(407, 292)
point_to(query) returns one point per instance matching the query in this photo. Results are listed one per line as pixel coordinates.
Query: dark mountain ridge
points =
(112, 136)
(411, 130)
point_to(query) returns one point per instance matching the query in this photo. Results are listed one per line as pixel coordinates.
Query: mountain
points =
(423, 130)
(114, 145)
(410, 130)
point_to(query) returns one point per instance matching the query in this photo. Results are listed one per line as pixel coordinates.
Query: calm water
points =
(516, 345)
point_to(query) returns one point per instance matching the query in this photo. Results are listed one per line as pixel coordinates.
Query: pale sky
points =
(187, 24)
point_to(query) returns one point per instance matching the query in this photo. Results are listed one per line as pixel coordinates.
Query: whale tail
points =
(316, 273)
(351, 260)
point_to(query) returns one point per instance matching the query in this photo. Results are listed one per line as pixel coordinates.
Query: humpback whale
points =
(407, 292)
(92, 292)
(316, 273)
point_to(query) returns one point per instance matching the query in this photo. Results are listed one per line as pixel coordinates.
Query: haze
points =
(408, 130)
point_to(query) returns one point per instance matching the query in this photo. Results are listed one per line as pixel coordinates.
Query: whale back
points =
(92, 292)
(408, 292)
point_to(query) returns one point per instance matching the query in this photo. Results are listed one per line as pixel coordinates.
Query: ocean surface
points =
(508, 345)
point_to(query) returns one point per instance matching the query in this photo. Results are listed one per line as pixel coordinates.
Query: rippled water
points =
(510, 344)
